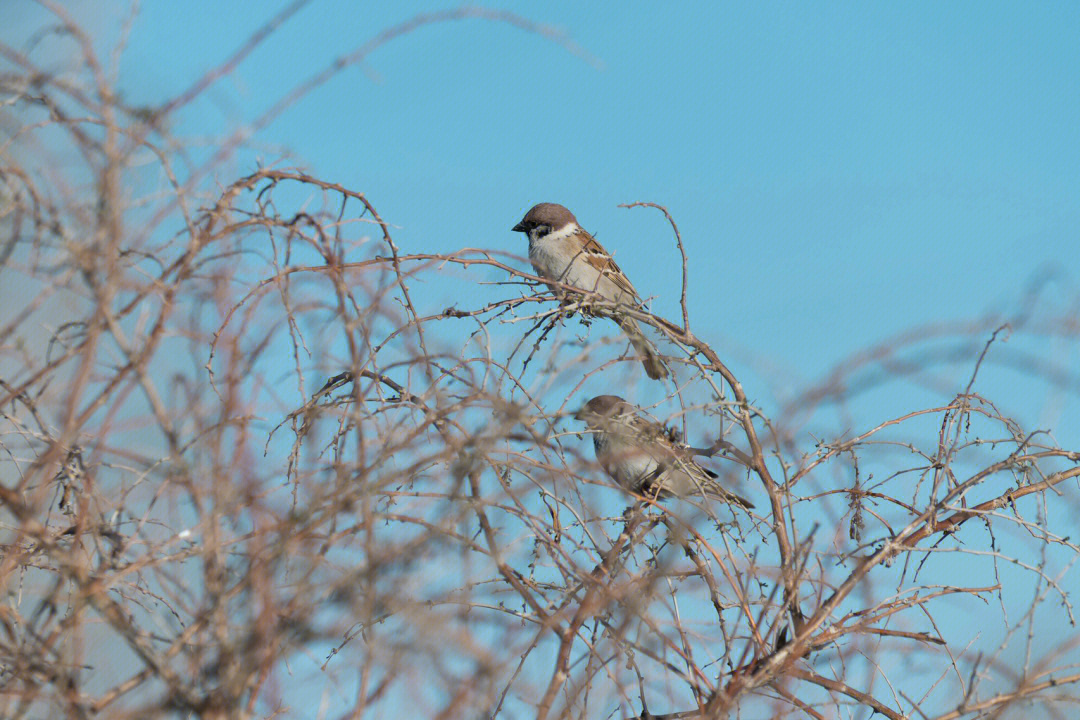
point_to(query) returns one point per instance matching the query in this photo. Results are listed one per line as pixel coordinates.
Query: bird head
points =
(601, 409)
(544, 218)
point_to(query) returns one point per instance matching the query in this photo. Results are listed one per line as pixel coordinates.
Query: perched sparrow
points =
(561, 250)
(641, 457)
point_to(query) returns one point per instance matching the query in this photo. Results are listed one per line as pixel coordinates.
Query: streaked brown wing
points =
(595, 254)
(652, 438)
(649, 432)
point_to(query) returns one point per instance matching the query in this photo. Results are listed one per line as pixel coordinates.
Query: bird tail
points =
(728, 496)
(713, 487)
(654, 366)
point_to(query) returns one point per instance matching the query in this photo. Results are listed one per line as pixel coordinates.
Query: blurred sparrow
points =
(641, 456)
(561, 250)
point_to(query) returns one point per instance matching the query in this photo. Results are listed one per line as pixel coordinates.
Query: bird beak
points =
(520, 227)
(581, 414)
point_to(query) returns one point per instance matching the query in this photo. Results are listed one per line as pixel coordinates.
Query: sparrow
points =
(561, 250)
(641, 456)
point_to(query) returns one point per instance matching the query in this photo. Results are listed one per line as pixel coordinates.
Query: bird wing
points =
(678, 474)
(651, 439)
(594, 253)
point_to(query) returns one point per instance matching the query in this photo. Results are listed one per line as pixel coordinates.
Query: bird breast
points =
(555, 257)
(627, 461)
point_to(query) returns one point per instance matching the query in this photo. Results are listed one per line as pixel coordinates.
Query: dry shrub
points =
(253, 467)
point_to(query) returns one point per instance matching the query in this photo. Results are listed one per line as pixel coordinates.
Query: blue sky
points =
(841, 172)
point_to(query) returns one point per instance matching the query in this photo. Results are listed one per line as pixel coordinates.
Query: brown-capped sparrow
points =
(561, 250)
(641, 456)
